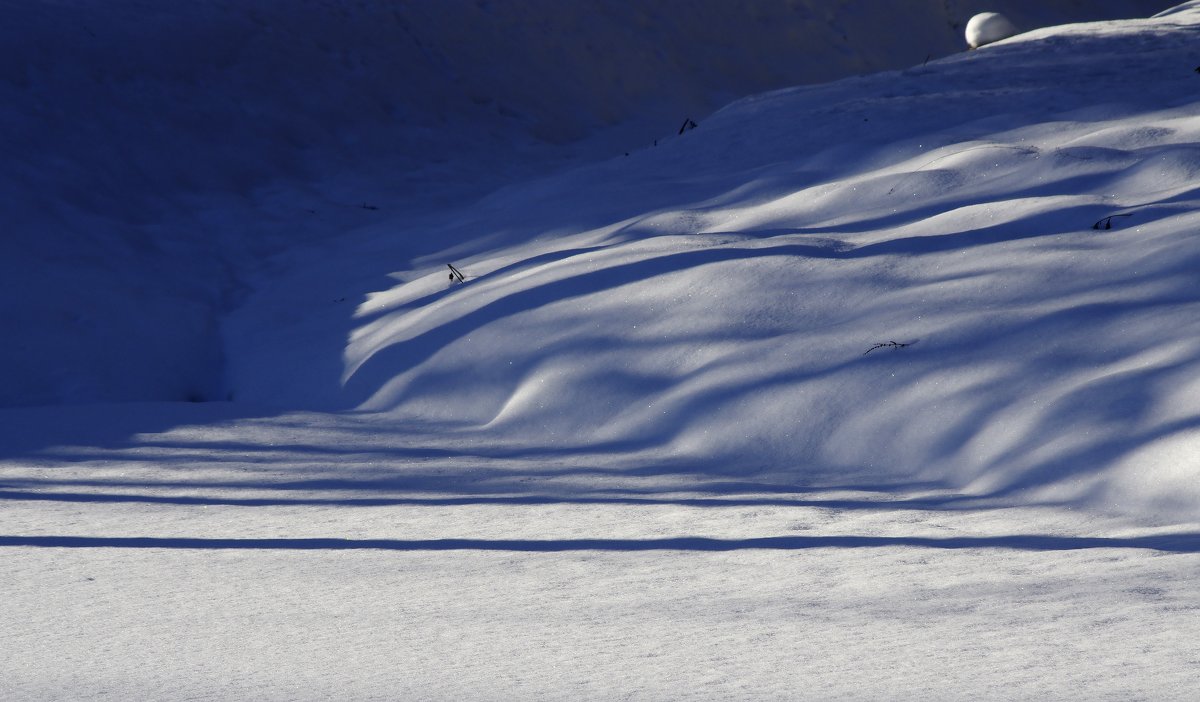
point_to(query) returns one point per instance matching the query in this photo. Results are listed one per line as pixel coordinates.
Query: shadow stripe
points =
(1176, 543)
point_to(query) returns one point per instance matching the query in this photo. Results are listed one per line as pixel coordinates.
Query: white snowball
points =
(987, 27)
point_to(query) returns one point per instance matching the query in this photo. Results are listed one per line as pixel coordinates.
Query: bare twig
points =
(887, 345)
(456, 274)
(1106, 222)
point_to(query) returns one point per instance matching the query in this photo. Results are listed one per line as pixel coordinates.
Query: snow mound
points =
(988, 27)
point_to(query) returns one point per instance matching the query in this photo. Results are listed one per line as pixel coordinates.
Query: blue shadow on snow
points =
(1173, 543)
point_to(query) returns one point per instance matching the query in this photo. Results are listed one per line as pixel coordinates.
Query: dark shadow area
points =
(32, 431)
(1169, 543)
(586, 497)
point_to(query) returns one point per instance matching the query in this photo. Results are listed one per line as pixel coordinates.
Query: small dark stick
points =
(1106, 222)
(887, 345)
(687, 124)
(456, 274)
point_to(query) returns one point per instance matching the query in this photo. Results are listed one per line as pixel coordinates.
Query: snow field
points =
(304, 556)
(505, 577)
(819, 625)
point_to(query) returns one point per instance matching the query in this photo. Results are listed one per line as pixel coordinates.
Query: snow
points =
(156, 156)
(987, 28)
(307, 556)
(884, 387)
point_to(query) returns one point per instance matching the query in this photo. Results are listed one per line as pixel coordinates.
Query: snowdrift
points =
(978, 272)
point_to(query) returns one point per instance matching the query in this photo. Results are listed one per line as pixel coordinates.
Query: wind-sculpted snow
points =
(882, 389)
(726, 294)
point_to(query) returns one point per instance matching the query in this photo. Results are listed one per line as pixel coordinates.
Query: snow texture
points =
(880, 388)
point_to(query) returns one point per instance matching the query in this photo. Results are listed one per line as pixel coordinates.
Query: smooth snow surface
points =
(887, 388)
(988, 27)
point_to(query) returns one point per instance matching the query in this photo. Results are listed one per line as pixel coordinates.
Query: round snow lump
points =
(987, 27)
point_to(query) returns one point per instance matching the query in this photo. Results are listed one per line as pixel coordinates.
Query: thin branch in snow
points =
(687, 124)
(456, 274)
(887, 345)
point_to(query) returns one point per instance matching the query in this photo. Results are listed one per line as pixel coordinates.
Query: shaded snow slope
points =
(723, 295)
(155, 153)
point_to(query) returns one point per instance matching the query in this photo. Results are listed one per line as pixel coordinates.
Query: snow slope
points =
(156, 153)
(719, 296)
